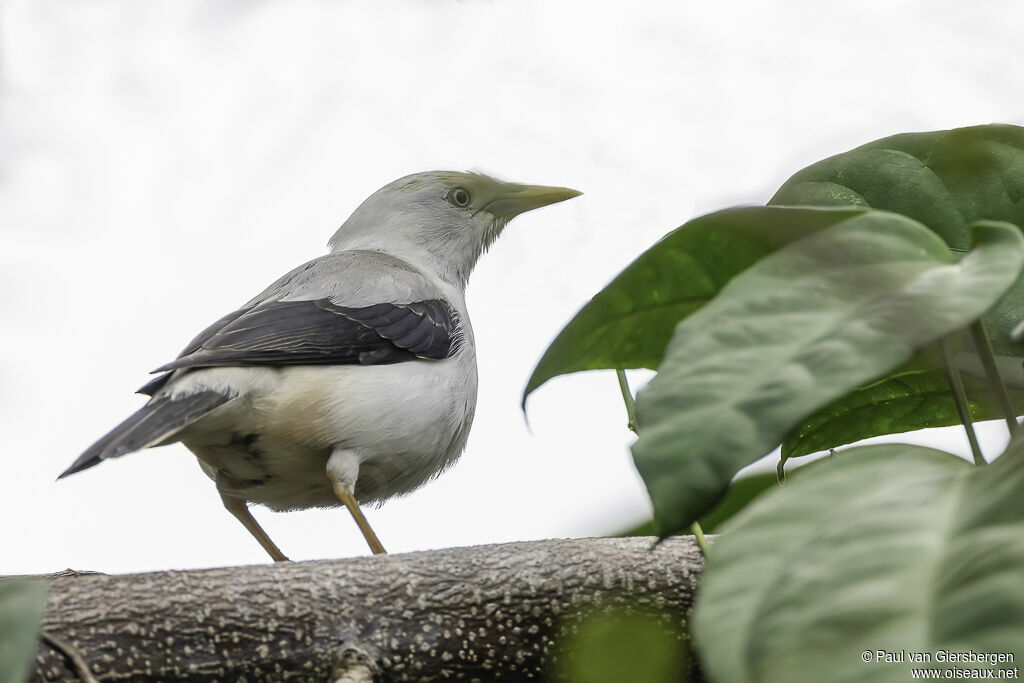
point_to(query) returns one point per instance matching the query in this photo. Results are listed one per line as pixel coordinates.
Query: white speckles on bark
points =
(484, 613)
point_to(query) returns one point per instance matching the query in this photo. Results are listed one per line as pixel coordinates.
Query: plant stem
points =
(988, 361)
(698, 533)
(960, 398)
(627, 398)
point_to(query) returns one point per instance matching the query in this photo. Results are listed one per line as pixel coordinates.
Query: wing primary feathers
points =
(321, 332)
(407, 326)
(209, 332)
(154, 385)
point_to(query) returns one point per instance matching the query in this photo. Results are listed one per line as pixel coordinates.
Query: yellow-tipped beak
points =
(514, 199)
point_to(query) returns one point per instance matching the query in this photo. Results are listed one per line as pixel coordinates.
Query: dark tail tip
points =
(83, 463)
(147, 427)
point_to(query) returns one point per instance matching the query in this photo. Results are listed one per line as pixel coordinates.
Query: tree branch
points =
(488, 612)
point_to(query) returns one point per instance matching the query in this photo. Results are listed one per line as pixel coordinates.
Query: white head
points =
(441, 219)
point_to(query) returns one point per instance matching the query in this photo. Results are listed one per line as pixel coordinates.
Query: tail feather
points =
(152, 424)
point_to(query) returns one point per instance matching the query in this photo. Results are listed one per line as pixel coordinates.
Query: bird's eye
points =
(459, 197)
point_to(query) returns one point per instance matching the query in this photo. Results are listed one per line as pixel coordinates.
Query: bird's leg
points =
(346, 497)
(240, 509)
(342, 470)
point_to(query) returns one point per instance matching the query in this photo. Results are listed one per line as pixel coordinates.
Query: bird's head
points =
(442, 219)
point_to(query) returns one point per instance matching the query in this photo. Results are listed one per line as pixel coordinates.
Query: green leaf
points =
(900, 403)
(620, 645)
(897, 548)
(945, 179)
(629, 322)
(803, 326)
(742, 492)
(21, 611)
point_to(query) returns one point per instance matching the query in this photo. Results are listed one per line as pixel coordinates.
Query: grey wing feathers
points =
(322, 332)
(155, 422)
(328, 311)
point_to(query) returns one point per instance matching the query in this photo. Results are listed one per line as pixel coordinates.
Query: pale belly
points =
(406, 422)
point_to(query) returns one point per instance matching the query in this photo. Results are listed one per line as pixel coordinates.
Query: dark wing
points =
(210, 331)
(322, 332)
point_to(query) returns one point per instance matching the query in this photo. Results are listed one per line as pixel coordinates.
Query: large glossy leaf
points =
(901, 403)
(895, 548)
(945, 180)
(803, 326)
(629, 322)
(21, 611)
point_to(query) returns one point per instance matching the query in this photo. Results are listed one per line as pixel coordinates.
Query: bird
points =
(351, 379)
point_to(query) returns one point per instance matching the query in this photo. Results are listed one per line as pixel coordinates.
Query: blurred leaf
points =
(21, 611)
(623, 646)
(894, 547)
(900, 403)
(803, 326)
(629, 322)
(643, 529)
(945, 179)
(741, 493)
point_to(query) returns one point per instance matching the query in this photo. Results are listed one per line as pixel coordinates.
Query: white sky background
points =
(161, 162)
